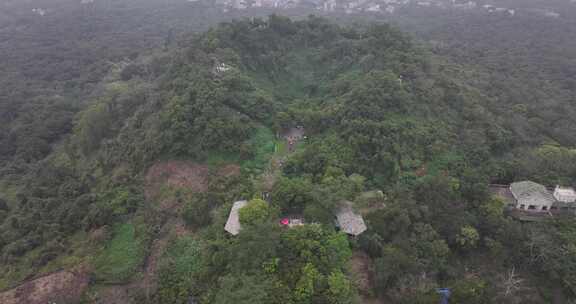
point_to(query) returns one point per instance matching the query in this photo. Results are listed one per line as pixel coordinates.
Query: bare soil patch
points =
(179, 228)
(114, 294)
(68, 286)
(176, 174)
(148, 283)
(62, 286)
(184, 174)
(172, 174)
(228, 171)
(292, 137)
(296, 133)
(362, 269)
(99, 235)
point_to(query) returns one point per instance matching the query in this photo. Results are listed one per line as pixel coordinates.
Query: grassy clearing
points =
(262, 144)
(183, 256)
(122, 256)
(281, 148)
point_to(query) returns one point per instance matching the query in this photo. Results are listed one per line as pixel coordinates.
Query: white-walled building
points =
(531, 196)
(565, 194)
(221, 68)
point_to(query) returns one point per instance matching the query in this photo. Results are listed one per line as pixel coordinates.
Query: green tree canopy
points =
(255, 211)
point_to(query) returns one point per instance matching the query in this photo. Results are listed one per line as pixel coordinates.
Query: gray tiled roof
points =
(527, 189)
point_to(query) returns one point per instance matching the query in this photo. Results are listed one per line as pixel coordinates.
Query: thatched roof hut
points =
(233, 223)
(349, 221)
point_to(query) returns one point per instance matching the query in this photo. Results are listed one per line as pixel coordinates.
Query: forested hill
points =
(531, 57)
(135, 192)
(52, 64)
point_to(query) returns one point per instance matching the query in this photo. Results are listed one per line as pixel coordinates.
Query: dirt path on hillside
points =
(362, 269)
(66, 286)
(148, 283)
(179, 174)
(175, 226)
(361, 266)
(292, 136)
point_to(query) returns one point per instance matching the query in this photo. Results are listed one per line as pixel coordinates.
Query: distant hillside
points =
(124, 150)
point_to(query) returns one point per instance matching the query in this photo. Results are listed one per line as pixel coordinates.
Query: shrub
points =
(180, 263)
(256, 210)
(120, 259)
(197, 211)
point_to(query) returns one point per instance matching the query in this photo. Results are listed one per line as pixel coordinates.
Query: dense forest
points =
(523, 67)
(121, 157)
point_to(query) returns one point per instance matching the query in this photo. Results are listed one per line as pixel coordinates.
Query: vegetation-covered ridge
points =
(140, 188)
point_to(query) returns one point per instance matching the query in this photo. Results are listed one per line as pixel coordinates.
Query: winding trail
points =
(291, 137)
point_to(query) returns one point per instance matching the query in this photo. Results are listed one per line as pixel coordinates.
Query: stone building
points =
(531, 196)
(564, 194)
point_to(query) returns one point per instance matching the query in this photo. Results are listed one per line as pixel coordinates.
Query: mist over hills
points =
(130, 129)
